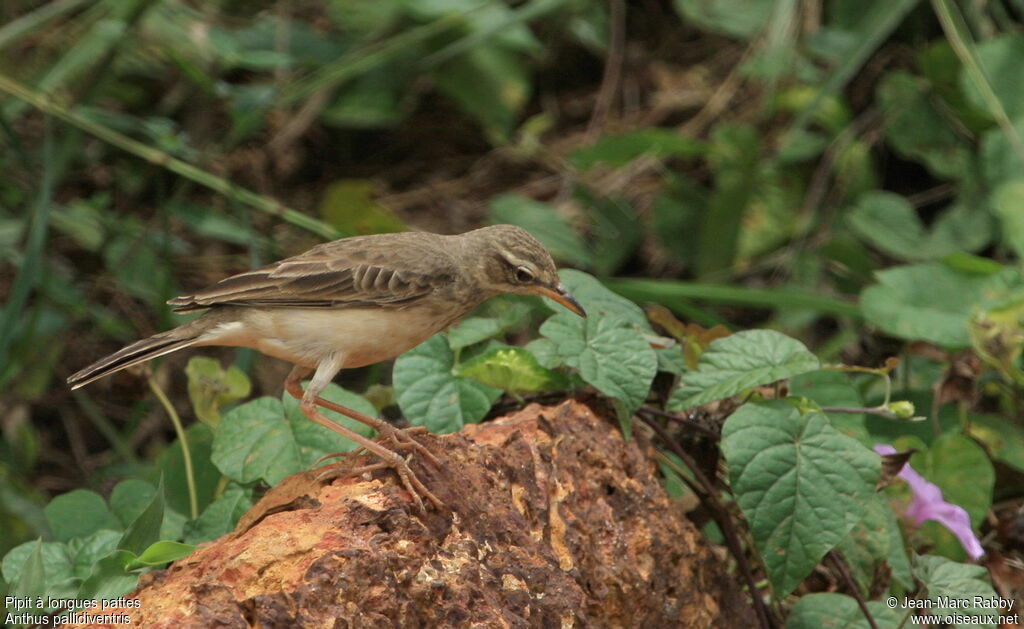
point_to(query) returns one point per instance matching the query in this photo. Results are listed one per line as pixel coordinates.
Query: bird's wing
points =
(340, 274)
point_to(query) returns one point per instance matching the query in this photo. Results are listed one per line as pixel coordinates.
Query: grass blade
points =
(672, 293)
(34, 261)
(882, 19)
(51, 106)
(960, 40)
(26, 24)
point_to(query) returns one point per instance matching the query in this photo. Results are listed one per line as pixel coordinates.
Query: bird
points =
(354, 302)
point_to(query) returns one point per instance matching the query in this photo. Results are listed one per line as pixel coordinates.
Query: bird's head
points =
(514, 262)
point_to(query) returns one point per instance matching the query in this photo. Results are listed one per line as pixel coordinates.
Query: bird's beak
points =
(560, 294)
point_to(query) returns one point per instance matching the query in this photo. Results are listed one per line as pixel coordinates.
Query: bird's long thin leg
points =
(325, 372)
(400, 436)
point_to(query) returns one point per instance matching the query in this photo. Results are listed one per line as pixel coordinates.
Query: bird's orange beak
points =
(560, 294)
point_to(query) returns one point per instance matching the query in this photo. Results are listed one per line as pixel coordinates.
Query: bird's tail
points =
(139, 352)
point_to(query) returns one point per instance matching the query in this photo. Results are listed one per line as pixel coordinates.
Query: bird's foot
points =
(397, 438)
(409, 479)
(402, 439)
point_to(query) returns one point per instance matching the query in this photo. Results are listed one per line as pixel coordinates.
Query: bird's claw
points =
(410, 481)
(399, 438)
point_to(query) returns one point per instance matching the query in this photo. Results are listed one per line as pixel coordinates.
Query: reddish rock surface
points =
(556, 522)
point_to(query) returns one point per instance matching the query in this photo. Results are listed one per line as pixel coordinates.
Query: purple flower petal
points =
(928, 504)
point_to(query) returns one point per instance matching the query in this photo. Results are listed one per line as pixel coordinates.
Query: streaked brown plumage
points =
(353, 302)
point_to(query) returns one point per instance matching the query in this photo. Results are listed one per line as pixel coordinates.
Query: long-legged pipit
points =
(354, 302)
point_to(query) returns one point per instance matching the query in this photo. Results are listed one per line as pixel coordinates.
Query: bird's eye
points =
(524, 275)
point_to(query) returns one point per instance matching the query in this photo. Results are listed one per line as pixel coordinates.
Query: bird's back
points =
(383, 270)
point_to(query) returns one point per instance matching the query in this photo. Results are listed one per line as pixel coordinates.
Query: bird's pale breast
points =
(305, 336)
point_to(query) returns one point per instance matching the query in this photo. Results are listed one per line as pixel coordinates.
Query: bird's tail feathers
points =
(137, 352)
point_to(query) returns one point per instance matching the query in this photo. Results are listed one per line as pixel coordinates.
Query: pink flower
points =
(929, 505)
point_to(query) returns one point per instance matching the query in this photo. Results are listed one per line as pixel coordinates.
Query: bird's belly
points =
(305, 336)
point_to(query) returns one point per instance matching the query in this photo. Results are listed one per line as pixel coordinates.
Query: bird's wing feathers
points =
(333, 275)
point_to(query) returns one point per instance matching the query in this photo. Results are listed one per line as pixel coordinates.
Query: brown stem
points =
(689, 423)
(709, 496)
(612, 70)
(851, 584)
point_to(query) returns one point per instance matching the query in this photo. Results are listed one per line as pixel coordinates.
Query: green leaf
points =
(221, 516)
(109, 579)
(932, 302)
(490, 83)
(349, 206)
(897, 558)
(1000, 58)
(947, 580)
(833, 388)
(1008, 200)
(1001, 437)
(145, 529)
(134, 262)
(617, 150)
(888, 222)
(160, 553)
(671, 360)
(838, 611)
(677, 211)
(800, 483)
(473, 330)
(735, 18)
(31, 581)
(743, 360)
(372, 100)
(609, 355)
(211, 387)
(918, 127)
(867, 543)
(545, 351)
(546, 223)
(1000, 160)
(58, 574)
(86, 551)
(615, 228)
(129, 500)
(269, 438)
(430, 393)
(512, 369)
(79, 513)
(770, 218)
(735, 160)
(206, 474)
(972, 264)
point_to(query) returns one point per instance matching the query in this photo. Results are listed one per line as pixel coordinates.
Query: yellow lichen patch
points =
(557, 527)
(516, 490)
(511, 582)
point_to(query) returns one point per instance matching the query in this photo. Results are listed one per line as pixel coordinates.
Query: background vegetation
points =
(849, 174)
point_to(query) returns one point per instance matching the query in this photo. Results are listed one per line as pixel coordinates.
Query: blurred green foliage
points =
(848, 173)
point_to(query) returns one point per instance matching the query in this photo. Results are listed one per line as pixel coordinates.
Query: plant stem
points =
(669, 292)
(958, 36)
(851, 583)
(31, 22)
(33, 265)
(186, 453)
(708, 493)
(49, 105)
(880, 411)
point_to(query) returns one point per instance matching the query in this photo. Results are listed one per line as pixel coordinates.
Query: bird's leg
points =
(309, 400)
(401, 437)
